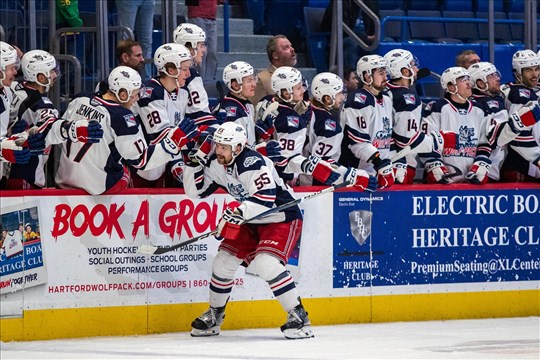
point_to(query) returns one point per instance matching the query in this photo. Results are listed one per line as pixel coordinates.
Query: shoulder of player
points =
(519, 94)
(324, 122)
(249, 160)
(233, 107)
(360, 99)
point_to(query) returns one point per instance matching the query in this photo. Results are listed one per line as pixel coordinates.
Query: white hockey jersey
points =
(158, 110)
(5, 101)
(324, 135)
(251, 180)
(198, 105)
(29, 105)
(496, 114)
(367, 127)
(524, 150)
(98, 167)
(406, 120)
(241, 112)
(470, 122)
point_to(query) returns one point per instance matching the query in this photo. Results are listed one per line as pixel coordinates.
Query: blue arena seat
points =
(423, 4)
(483, 5)
(392, 29)
(392, 5)
(317, 41)
(429, 30)
(465, 31)
(457, 5)
(503, 34)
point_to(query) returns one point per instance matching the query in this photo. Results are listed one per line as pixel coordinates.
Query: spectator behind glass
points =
(364, 27)
(138, 15)
(203, 14)
(128, 53)
(280, 53)
(466, 58)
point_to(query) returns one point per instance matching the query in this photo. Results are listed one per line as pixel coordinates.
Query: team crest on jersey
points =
(177, 118)
(409, 99)
(526, 93)
(130, 120)
(231, 111)
(493, 104)
(361, 98)
(146, 92)
(330, 125)
(237, 192)
(250, 161)
(466, 135)
(293, 121)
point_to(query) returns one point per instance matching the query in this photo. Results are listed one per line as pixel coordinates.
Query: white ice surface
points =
(512, 338)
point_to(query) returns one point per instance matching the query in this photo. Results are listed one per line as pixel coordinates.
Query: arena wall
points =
(404, 254)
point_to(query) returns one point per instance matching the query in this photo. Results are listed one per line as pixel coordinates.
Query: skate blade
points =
(213, 331)
(302, 333)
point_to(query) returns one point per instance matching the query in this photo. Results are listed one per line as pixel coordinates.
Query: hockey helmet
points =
(480, 71)
(8, 55)
(124, 77)
(523, 59)
(236, 71)
(37, 62)
(189, 35)
(369, 63)
(398, 59)
(285, 78)
(171, 53)
(231, 133)
(326, 83)
(451, 75)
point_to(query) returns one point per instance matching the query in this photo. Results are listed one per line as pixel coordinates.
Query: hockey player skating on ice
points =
(265, 244)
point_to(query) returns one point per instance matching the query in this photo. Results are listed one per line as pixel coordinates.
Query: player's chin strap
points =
(149, 249)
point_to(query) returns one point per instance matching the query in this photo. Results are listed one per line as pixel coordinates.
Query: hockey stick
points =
(149, 249)
(457, 172)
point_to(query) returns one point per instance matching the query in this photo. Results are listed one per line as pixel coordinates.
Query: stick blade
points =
(147, 249)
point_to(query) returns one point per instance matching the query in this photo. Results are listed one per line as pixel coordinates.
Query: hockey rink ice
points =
(509, 338)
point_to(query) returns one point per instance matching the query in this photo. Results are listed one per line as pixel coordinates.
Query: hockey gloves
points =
(436, 172)
(525, 117)
(179, 136)
(201, 154)
(320, 170)
(264, 127)
(271, 150)
(383, 167)
(478, 172)
(400, 172)
(20, 126)
(229, 224)
(361, 180)
(36, 143)
(13, 153)
(84, 131)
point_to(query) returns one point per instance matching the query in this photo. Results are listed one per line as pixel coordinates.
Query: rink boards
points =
(404, 254)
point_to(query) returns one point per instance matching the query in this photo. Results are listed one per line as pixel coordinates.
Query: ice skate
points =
(208, 324)
(297, 325)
